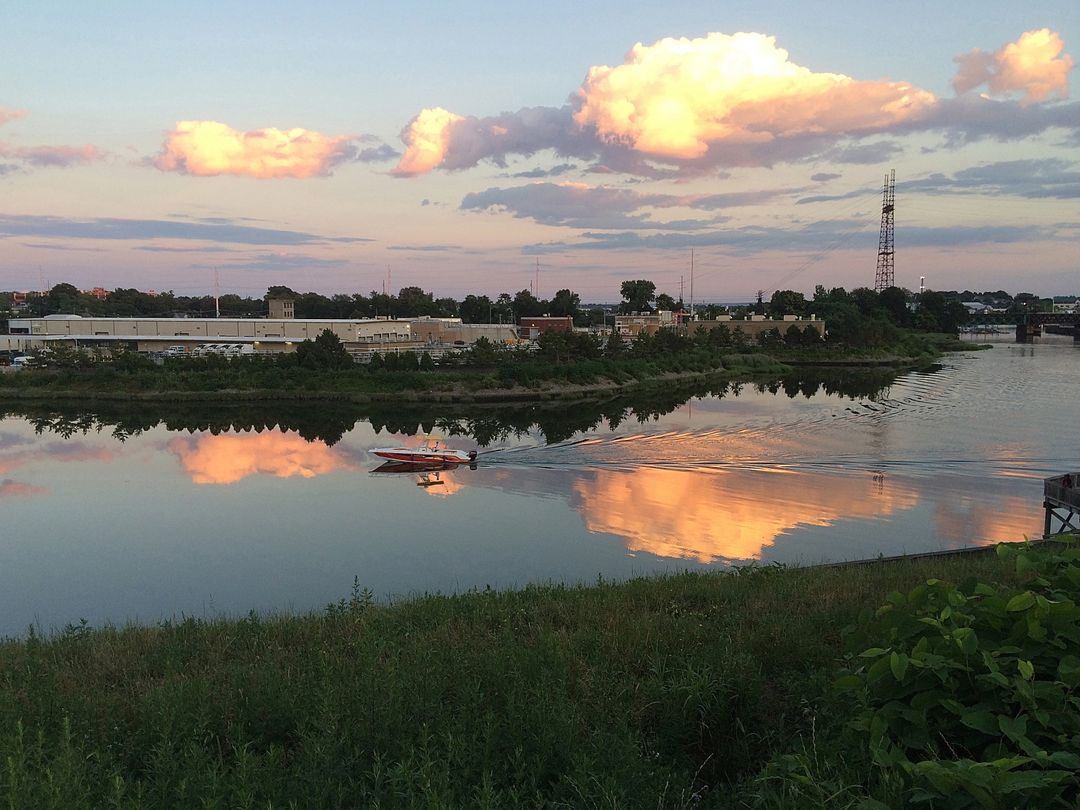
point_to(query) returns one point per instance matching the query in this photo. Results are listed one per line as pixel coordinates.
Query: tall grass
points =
(668, 692)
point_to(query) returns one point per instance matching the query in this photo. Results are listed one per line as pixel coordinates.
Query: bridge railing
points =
(1054, 490)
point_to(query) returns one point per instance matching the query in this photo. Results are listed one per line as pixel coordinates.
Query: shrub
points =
(967, 696)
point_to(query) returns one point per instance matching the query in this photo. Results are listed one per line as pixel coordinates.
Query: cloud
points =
(61, 156)
(426, 137)
(678, 98)
(11, 488)
(824, 177)
(685, 107)
(279, 261)
(209, 148)
(578, 205)
(538, 172)
(864, 154)
(10, 115)
(378, 154)
(43, 156)
(1033, 179)
(734, 99)
(426, 248)
(1033, 66)
(141, 229)
(829, 236)
(1046, 178)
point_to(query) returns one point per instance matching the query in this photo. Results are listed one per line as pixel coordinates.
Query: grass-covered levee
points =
(944, 681)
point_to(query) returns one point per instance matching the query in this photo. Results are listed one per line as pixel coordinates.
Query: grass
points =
(666, 692)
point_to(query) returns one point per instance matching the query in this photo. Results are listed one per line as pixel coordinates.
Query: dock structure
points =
(1061, 500)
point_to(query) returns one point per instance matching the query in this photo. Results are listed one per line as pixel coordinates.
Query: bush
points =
(967, 696)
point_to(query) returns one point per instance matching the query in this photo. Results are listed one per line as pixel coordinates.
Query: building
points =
(159, 334)
(361, 338)
(630, 326)
(451, 332)
(282, 309)
(650, 323)
(759, 324)
(530, 328)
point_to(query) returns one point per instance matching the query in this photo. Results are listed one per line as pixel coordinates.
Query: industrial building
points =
(176, 336)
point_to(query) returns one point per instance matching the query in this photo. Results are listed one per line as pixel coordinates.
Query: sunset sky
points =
(316, 145)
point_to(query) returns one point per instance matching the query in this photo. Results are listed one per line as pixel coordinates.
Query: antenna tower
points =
(886, 269)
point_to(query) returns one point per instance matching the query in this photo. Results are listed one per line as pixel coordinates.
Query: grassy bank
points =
(669, 692)
(258, 379)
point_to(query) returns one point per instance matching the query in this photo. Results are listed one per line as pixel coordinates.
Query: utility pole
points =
(217, 294)
(691, 284)
(536, 289)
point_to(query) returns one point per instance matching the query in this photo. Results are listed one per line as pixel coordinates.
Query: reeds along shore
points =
(670, 692)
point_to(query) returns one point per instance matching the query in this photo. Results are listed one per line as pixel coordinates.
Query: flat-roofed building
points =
(159, 334)
(530, 327)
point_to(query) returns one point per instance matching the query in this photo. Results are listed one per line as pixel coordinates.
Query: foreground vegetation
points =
(693, 690)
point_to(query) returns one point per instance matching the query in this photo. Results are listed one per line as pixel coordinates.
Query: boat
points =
(431, 452)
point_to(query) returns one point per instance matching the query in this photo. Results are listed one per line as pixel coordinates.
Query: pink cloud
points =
(683, 107)
(1033, 66)
(209, 148)
(679, 97)
(426, 138)
(10, 115)
(62, 156)
(10, 488)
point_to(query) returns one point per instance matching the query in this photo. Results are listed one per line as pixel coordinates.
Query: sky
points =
(482, 147)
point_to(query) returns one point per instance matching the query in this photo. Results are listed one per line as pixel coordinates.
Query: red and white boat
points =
(430, 452)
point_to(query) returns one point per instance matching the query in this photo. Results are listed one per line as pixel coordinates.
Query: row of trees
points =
(849, 311)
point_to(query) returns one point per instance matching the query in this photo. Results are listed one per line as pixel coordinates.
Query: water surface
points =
(137, 516)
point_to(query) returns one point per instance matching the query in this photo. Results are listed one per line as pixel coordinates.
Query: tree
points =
(565, 303)
(616, 346)
(787, 302)
(894, 301)
(637, 295)
(475, 309)
(325, 352)
(526, 305)
(665, 301)
(64, 298)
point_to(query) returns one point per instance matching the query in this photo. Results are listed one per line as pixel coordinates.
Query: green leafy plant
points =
(968, 693)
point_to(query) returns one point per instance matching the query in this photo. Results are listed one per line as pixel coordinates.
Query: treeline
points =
(928, 311)
(409, 302)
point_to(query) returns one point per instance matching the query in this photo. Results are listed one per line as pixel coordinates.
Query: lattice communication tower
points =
(886, 269)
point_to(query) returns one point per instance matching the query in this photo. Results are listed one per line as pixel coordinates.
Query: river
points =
(115, 517)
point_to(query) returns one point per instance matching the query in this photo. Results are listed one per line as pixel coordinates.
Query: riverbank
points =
(247, 382)
(673, 691)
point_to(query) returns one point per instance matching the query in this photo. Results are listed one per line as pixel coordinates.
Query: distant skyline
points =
(319, 146)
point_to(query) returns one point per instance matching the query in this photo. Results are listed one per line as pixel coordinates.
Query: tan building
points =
(282, 309)
(630, 326)
(448, 332)
(159, 334)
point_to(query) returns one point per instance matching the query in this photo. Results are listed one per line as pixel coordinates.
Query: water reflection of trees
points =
(328, 421)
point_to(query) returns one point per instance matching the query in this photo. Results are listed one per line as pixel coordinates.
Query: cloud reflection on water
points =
(228, 458)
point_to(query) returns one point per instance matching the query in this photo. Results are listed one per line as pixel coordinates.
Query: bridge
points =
(1058, 323)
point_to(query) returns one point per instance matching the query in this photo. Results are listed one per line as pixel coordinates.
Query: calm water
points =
(118, 517)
